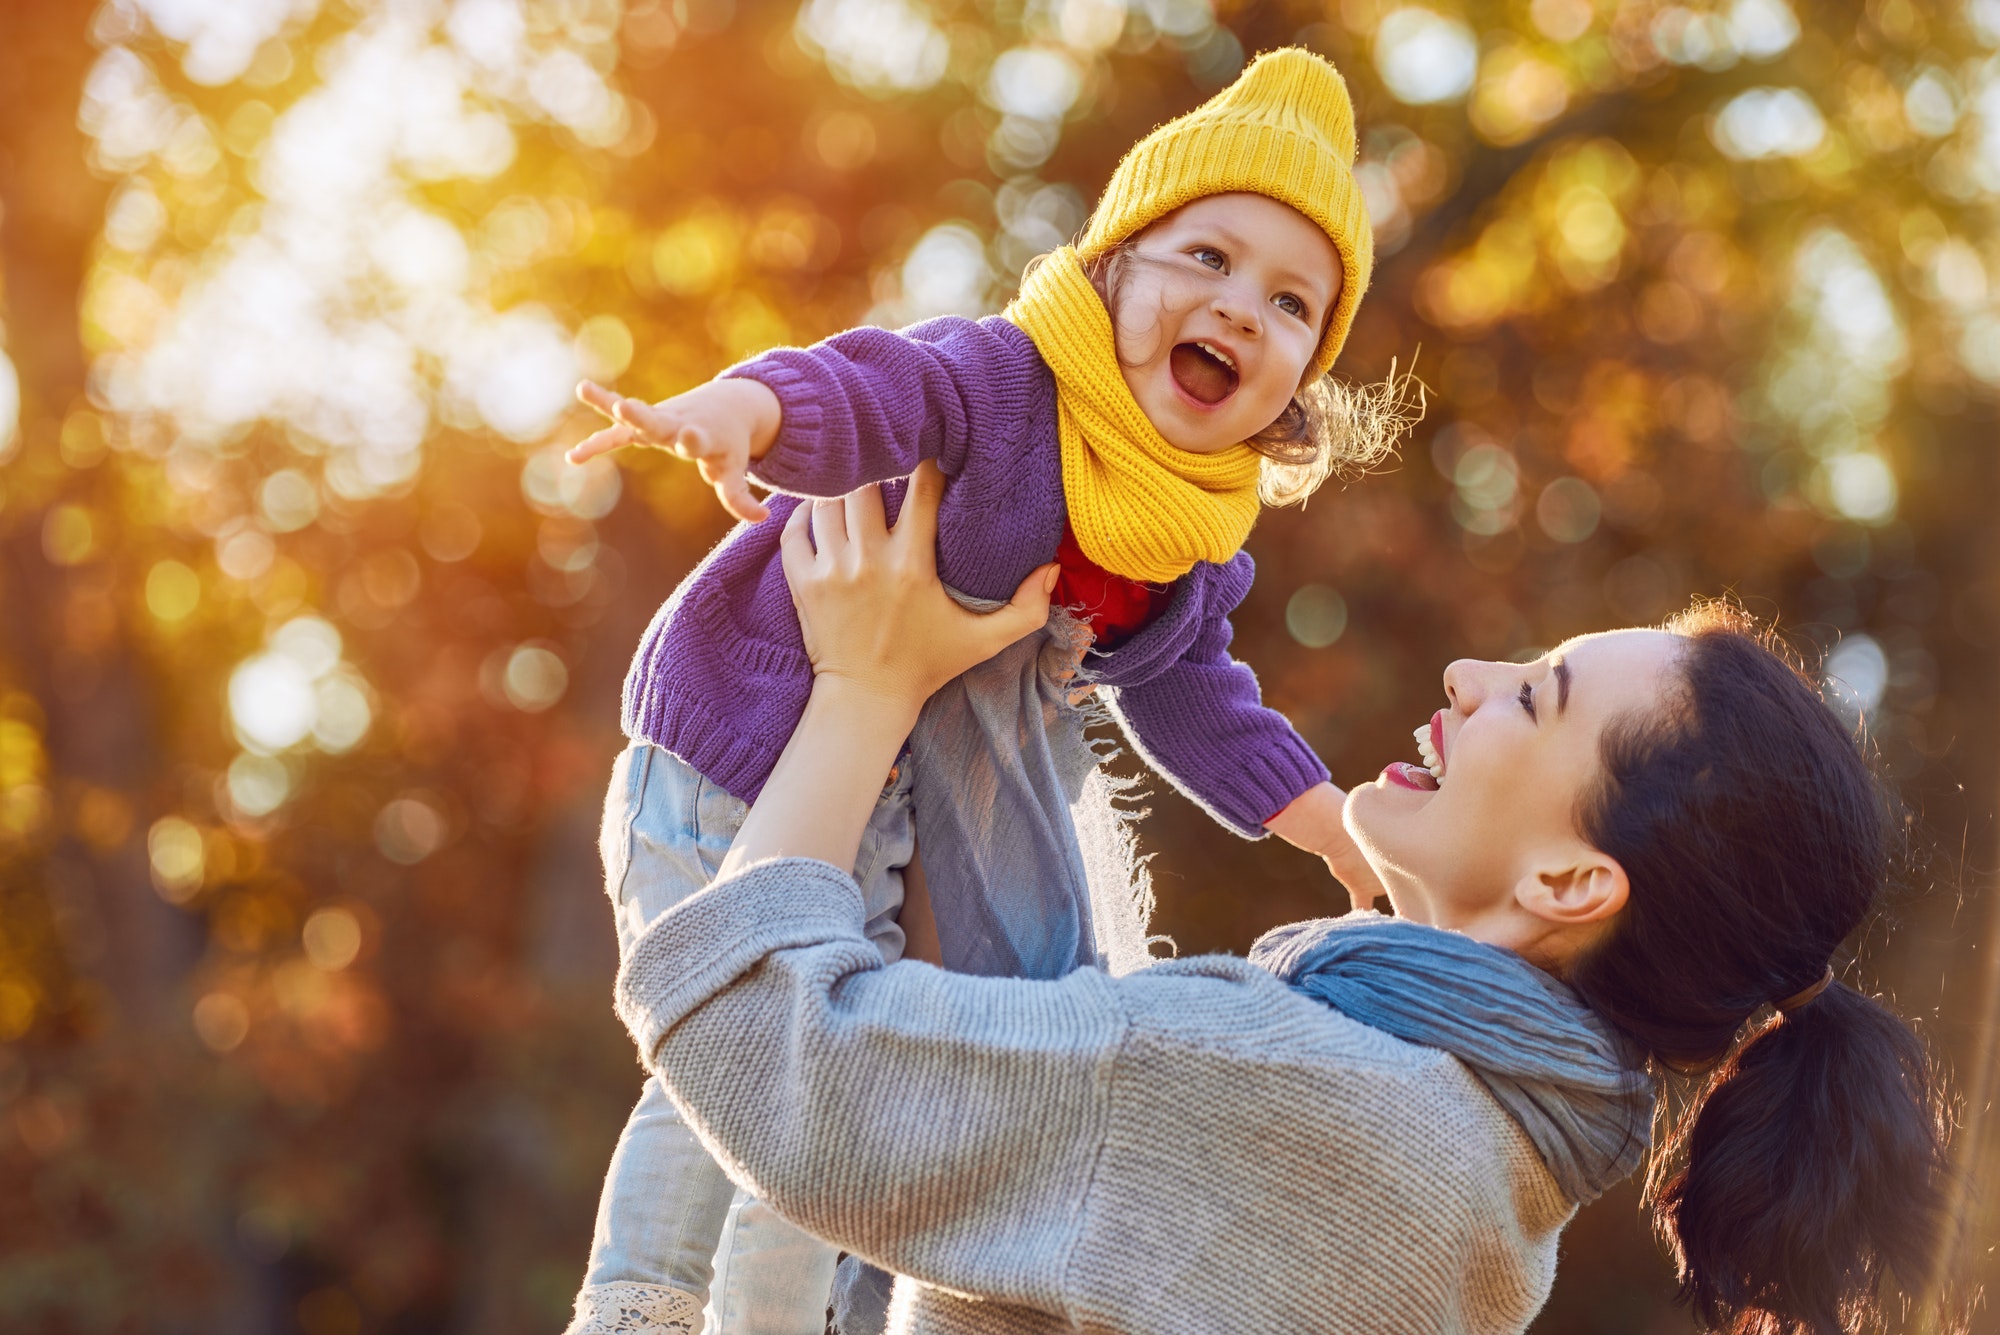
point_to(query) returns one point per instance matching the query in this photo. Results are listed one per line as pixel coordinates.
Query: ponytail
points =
(1813, 1165)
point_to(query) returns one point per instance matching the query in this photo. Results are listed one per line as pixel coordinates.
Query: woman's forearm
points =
(819, 796)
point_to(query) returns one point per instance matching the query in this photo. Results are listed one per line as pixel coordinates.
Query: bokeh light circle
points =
(1425, 57)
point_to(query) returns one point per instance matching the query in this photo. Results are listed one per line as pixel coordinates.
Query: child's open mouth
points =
(1202, 372)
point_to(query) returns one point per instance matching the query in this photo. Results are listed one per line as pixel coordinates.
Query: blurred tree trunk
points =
(66, 633)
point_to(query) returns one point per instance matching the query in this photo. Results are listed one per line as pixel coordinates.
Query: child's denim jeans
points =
(669, 1219)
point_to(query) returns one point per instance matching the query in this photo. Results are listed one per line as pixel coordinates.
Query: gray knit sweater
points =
(1187, 1149)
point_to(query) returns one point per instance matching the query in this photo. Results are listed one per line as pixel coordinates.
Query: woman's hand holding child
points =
(883, 635)
(875, 616)
(720, 427)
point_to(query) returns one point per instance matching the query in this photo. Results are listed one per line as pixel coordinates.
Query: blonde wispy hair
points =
(1336, 428)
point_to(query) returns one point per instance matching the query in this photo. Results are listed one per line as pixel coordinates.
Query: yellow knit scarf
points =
(1140, 507)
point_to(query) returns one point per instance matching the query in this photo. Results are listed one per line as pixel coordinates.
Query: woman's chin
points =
(1382, 814)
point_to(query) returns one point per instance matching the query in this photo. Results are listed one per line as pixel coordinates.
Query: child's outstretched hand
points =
(720, 426)
(1312, 822)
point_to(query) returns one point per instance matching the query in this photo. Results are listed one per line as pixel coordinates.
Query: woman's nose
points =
(1467, 681)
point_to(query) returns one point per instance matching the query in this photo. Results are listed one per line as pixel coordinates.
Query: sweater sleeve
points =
(1203, 724)
(871, 404)
(943, 1126)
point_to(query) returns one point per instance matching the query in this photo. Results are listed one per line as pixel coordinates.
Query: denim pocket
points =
(622, 799)
(714, 818)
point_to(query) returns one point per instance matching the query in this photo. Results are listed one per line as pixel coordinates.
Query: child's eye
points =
(1208, 255)
(1291, 305)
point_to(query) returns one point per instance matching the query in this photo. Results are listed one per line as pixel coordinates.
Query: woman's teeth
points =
(1432, 761)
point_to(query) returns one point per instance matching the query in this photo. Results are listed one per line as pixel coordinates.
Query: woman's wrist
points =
(875, 708)
(823, 789)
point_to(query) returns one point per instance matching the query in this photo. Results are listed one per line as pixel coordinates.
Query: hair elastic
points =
(1805, 995)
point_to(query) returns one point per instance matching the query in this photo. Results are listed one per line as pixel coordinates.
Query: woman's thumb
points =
(1028, 609)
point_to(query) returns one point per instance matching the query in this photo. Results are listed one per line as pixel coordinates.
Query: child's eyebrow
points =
(1221, 232)
(1316, 290)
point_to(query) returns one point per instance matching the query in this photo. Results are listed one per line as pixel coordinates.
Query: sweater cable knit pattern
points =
(721, 676)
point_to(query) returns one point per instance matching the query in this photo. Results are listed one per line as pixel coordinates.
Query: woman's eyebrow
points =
(1562, 685)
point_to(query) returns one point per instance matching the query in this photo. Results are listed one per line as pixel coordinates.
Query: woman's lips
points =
(1402, 774)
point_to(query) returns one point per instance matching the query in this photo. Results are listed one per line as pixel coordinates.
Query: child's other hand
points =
(1312, 822)
(1363, 886)
(720, 427)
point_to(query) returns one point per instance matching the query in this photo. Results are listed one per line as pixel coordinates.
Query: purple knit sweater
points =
(721, 677)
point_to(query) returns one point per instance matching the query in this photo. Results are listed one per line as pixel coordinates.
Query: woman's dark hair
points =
(1812, 1159)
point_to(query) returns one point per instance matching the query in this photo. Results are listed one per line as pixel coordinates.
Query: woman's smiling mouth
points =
(1403, 774)
(1430, 745)
(1429, 776)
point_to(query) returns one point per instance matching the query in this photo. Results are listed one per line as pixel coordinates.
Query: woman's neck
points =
(1545, 945)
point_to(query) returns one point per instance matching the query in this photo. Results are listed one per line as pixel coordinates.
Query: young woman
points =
(1615, 858)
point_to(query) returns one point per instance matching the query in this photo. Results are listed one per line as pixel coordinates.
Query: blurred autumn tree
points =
(312, 644)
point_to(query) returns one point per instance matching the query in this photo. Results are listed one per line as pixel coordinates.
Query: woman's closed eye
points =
(1526, 696)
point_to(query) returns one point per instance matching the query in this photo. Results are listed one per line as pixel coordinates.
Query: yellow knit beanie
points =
(1284, 129)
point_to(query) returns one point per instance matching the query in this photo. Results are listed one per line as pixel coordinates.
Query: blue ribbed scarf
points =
(1578, 1090)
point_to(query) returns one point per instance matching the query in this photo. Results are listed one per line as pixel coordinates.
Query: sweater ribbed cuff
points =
(1276, 778)
(1249, 790)
(1265, 784)
(698, 947)
(801, 422)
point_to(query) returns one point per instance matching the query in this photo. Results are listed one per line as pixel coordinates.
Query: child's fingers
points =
(600, 442)
(699, 444)
(650, 419)
(598, 397)
(733, 489)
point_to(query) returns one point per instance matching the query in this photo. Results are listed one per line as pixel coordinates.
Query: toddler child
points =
(1124, 418)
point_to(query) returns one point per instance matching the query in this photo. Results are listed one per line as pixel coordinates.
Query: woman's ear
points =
(1582, 886)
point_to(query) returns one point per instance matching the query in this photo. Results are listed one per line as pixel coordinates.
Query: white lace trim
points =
(608, 1309)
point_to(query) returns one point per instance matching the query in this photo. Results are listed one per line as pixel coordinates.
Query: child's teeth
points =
(1217, 354)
